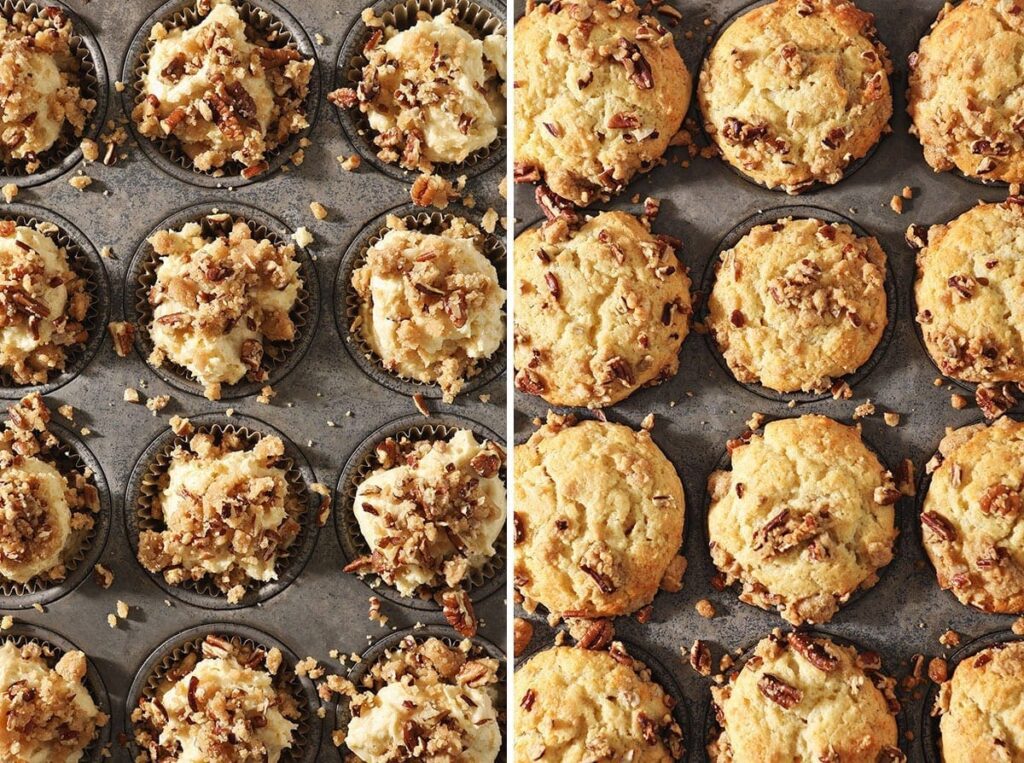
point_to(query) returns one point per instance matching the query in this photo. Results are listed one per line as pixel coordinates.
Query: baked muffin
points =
(48, 712)
(427, 701)
(43, 304)
(600, 91)
(796, 90)
(433, 93)
(970, 294)
(40, 86)
(575, 705)
(963, 96)
(430, 304)
(599, 517)
(600, 312)
(804, 519)
(47, 509)
(225, 704)
(982, 707)
(803, 697)
(221, 302)
(220, 92)
(798, 303)
(431, 511)
(973, 512)
(227, 513)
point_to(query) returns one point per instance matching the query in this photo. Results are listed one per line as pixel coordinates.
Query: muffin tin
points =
(325, 406)
(702, 407)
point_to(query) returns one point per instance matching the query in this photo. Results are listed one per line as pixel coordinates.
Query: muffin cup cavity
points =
(347, 302)
(85, 548)
(272, 22)
(170, 654)
(279, 358)
(144, 487)
(798, 212)
(482, 582)
(479, 17)
(84, 260)
(66, 152)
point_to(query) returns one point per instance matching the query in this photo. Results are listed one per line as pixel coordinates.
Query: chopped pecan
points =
(522, 633)
(1001, 500)
(554, 206)
(624, 120)
(994, 400)
(700, 658)
(524, 172)
(603, 581)
(779, 692)
(252, 355)
(486, 464)
(648, 728)
(344, 97)
(638, 69)
(741, 133)
(529, 382)
(939, 525)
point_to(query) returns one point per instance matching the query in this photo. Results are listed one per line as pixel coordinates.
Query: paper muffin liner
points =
(144, 487)
(279, 358)
(54, 647)
(84, 548)
(66, 152)
(478, 17)
(481, 582)
(931, 736)
(273, 24)
(170, 655)
(711, 728)
(377, 653)
(767, 217)
(86, 263)
(347, 302)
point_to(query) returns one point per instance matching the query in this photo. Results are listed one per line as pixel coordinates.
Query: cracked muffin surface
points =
(600, 92)
(795, 90)
(798, 303)
(804, 518)
(601, 311)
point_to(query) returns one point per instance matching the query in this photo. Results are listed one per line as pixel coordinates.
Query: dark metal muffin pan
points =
(323, 609)
(702, 407)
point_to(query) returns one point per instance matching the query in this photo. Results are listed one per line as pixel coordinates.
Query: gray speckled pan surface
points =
(906, 612)
(324, 609)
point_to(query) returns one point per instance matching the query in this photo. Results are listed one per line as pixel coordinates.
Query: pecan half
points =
(700, 658)
(597, 636)
(458, 611)
(779, 692)
(939, 525)
(813, 651)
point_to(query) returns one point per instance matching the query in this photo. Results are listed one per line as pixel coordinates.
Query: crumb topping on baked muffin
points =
(48, 713)
(219, 303)
(46, 509)
(228, 513)
(804, 518)
(40, 86)
(43, 304)
(798, 303)
(221, 92)
(433, 93)
(428, 701)
(796, 90)
(225, 705)
(431, 511)
(430, 304)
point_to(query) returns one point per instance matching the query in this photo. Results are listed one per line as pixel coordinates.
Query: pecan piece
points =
(554, 206)
(994, 399)
(1001, 500)
(458, 611)
(638, 69)
(939, 525)
(624, 120)
(597, 636)
(252, 355)
(813, 651)
(603, 581)
(779, 692)
(485, 464)
(522, 633)
(343, 97)
(523, 172)
(700, 658)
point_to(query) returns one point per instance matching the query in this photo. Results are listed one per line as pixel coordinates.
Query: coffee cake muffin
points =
(970, 294)
(804, 519)
(430, 304)
(964, 94)
(226, 511)
(40, 86)
(220, 92)
(576, 705)
(431, 511)
(798, 303)
(973, 513)
(982, 707)
(804, 697)
(47, 510)
(433, 93)
(225, 704)
(48, 712)
(599, 517)
(43, 304)
(795, 90)
(601, 312)
(220, 302)
(600, 92)
(427, 701)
